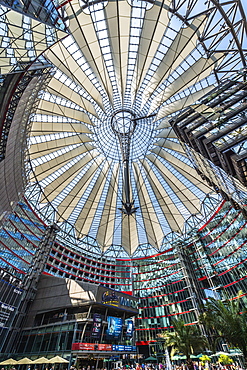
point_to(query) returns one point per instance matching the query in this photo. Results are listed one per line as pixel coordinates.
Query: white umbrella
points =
(220, 353)
(10, 361)
(58, 360)
(41, 360)
(24, 361)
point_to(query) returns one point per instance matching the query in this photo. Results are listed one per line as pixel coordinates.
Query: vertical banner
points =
(129, 329)
(10, 297)
(97, 325)
(114, 328)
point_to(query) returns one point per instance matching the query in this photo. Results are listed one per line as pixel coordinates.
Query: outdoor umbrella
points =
(220, 353)
(235, 353)
(183, 357)
(151, 358)
(10, 361)
(58, 360)
(41, 360)
(175, 358)
(200, 355)
(24, 361)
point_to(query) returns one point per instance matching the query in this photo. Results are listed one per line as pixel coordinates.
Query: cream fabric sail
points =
(101, 144)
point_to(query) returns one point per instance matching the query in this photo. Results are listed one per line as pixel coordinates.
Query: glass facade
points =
(208, 262)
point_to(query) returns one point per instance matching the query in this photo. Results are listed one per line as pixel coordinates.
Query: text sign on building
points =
(97, 325)
(83, 347)
(104, 347)
(110, 298)
(121, 348)
(10, 296)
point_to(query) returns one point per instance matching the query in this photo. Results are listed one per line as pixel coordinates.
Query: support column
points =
(30, 282)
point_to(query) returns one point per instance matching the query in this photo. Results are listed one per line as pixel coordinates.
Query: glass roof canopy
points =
(101, 146)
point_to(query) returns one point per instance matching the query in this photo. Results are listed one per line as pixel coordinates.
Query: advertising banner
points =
(104, 347)
(10, 296)
(129, 329)
(91, 347)
(97, 325)
(122, 348)
(114, 328)
(83, 346)
(117, 347)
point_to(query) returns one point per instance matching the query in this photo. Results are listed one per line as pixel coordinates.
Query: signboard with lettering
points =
(129, 348)
(104, 347)
(117, 347)
(83, 347)
(10, 297)
(97, 325)
(118, 299)
(110, 298)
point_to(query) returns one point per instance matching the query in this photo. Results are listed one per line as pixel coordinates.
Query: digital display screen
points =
(114, 328)
(129, 329)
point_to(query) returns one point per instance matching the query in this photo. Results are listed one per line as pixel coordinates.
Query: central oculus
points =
(123, 122)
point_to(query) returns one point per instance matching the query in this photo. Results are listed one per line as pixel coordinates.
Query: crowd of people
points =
(151, 366)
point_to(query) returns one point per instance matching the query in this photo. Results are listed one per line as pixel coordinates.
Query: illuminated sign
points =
(114, 328)
(130, 329)
(122, 348)
(124, 301)
(83, 346)
(11, 292)
(110, 298)
(97, 325)
(104, 347)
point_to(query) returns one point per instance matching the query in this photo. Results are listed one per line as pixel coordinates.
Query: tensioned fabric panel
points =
(71, 199)
(130, 239)
(83, 31)
(41, 128)
(177, 105)
(118, 22)
(151, 223)
(155, 22)
(47, 107)
(61, 181)
(60, 89)
(189, 200)
(46, 147)
(63, 60)
(52, 165)
(107, 222)
(169, 209)
(181, 166)
(179, 50)
(201, 69)
(89, 209)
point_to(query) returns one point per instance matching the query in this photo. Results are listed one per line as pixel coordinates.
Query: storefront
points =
(85, 323)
